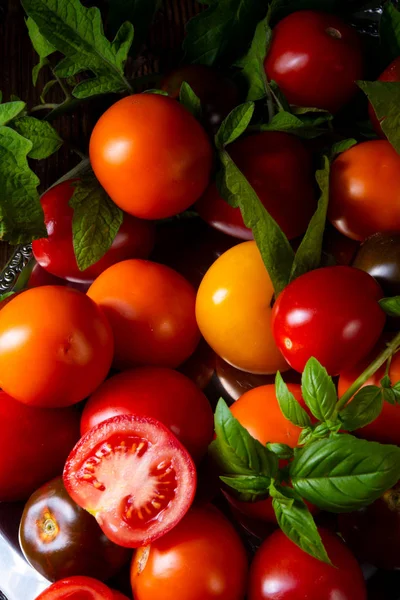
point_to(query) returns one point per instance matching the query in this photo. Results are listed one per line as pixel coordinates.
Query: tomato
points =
(151, 156)
(391, 73)
(77, 588)
(331, 314)
(35, 443)
(40, 277)
(316, 59)
(364, 181)
(56, 347)
(60, 539)
(279, 168)
(341, 248)
(233, 311)
(151, 309)
(202, 557)
(55, 253)
(118, 596)
(282, 571)
(134, 476)
(379, 256)
(160, 393)
(200, 367)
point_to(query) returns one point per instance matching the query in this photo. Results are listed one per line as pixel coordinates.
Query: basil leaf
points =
(385, 98)
(306, 435)
(248, 488)
(41, 46)
(10, 110)
(342, 146)
(139, 12)
(288, 404)
(307, 127)
(392, 395)
(319, 391)
(385, 381)
(364, 408)
(189, 100)
(45, 139)
(234, 125)
(343, 473)
(252, 64)
(281, 450)
(389, 31)
(391, 306)
(6, 295)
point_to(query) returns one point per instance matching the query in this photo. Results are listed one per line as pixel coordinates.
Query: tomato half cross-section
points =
(77, 588)
(134, 476)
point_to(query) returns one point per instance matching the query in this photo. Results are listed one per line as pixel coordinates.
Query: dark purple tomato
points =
(379, 256)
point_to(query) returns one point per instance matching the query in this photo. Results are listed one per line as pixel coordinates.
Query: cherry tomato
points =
(151, 156)
(40, 277)
(202, 557)
(331, 314)
(35, 443)
(364, 181)
(379, 256)
(56, 347)
(77, 588)
(134, 476)
(151, 309)
(341, 248)
(55, 253)
(315, 58)
(160, 393)
(282, 571)
(279, 168)
(200, 367)
(60, 539)
(233, 311)
(391, 73)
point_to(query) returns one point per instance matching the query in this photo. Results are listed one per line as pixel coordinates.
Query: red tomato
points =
(134, 476)
(40, 277)
(202, 558)
(315, 58)
(56, 347)
(118, 596)
(279, 168)
(331, 314)
(151, 309)
(35, 443)
(391, 73)
(151, 156)
(282, 571)
(55, 253)
(160, 393)
(78, 588)
(364, 181)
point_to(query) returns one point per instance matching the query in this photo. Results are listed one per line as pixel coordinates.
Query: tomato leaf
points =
(389, 31)
(391, 306)
(234, 124)
(189, 100)
(364, 408)
(41, 45)
(385, 99)
(6, 295)
(342, 146)
(139, 12)
(252, 64)
(10, 110)
(281, 450)
(307, 127)
(45, 139)
(343, 473)
(319, 391)
(248, 488)
(47, 87)
(288, 404)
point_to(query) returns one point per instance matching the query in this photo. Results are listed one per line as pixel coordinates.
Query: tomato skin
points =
(379, 256)
(151, 309)
(75, 342)
(118, 596)
(331, 314)
(151, 156)
(160, 393)
(391, 73)
(205, 539)
(200, 367)
(279, 168)
(77, 588)
(282, 571)
(55, 253)
(315, 58)
(35, 444)
(233, 312)
(364, 180)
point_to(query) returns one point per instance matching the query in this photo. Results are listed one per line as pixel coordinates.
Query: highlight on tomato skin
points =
(74, 588)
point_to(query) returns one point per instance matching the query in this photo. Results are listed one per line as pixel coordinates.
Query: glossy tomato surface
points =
(202, 558)
(77, 588)
(56, 347)
(379, 256)
(331, 314)
(151, 156)
(134, 476)
(35, 445)
(55, 253)
(391, 73)
(315, 58)
(279, 168)
(233, 311)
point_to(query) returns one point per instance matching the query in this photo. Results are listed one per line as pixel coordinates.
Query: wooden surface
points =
(17, 57)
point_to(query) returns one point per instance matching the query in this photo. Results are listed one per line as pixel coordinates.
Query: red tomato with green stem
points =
(391, 73)
(78, 588)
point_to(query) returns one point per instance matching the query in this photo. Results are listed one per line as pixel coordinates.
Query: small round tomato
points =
(379, 256)
(364, 181)
(279, 168)
(69, 335)
(202, 558)
(391, 73)
(282, 571)
(234, 314)
(151, 156)
(77, 588)
(60, 539)
(160, 393)
(151, 309)
(134, 476)
(316, 59)
(331, 314)
(35, 443)
(40, 277)
(55, 253)
(341, 248)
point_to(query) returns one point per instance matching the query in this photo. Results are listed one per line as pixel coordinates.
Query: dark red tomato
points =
(60, 539)
(77, 588)
(160, 393)
(279, 168)
(134, 476)
(201, 559)
(119, 596)
(391, 73)
(315, 58)
(331, 314)
(35, 443)
(55, 253)
(341, 248)
(379, 256)
(40, 277)
(282, 571)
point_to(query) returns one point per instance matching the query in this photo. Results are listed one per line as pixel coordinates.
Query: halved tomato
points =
(77, 588)
(134, 476)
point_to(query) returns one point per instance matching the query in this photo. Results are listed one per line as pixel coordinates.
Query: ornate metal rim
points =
(13, 269)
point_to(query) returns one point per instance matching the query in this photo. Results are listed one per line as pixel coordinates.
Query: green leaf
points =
(281, 450)
(95, 223)
(305, 127)
(234, 125)
(248, 488)
(46, 89)
(288, 404)
(10, 110)
(252, 64)
(389, 31)
(319, 391)
(343, 473)
(139, 12)
(189, 100)
(6, 295)
(45, 139)
(155, 91)
(365, 407)
(391, 306)
(385, 98)
(41, 45)
(342, 146)
(392, 394)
